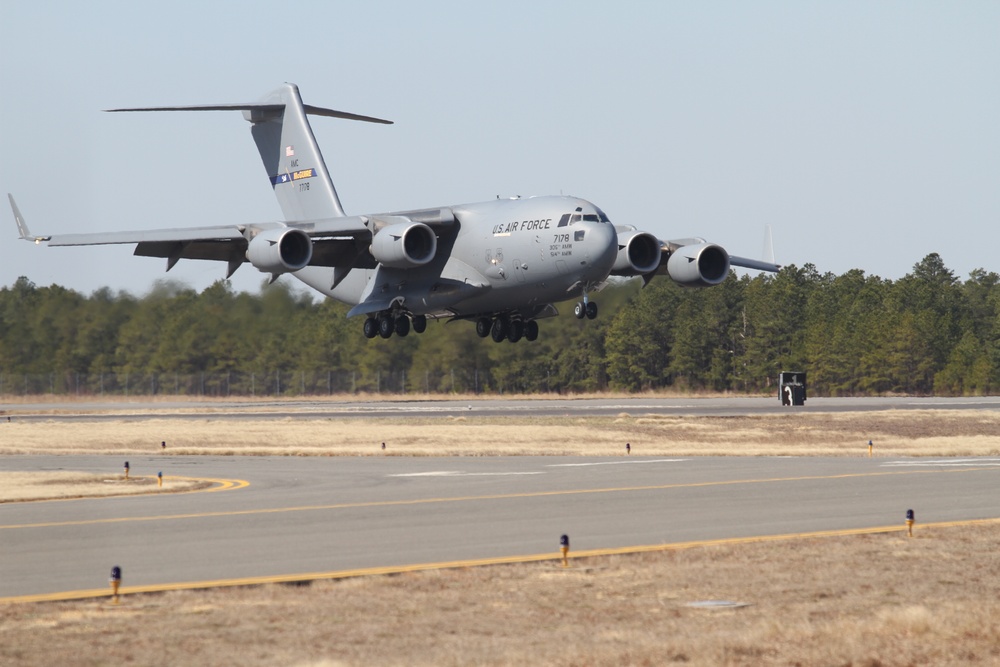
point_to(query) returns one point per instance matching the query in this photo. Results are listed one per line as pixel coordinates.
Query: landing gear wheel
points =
(516, 331)
(385, 327)
(499, 330)
(579, 310)
(531, 330)
(483, 325)
(591, 310)
(419, 324)
(371, 327)
(402, 325)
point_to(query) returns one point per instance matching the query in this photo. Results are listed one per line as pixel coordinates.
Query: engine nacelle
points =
(638, 254)
(700, 265)
(280, 250)
(405, 245)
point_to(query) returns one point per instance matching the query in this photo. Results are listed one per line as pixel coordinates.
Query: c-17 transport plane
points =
(502, 263)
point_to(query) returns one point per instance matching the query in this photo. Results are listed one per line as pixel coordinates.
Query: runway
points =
(324, 515)
(143, 407)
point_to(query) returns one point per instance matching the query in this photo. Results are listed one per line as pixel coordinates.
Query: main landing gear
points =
(386, 324)
(504, 328)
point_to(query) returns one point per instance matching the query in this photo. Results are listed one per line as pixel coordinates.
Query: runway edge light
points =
(909, 522)
(564, 548)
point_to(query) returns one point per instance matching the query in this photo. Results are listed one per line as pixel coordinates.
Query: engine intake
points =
(700, 265)
(404, 245)
(280, 250)
(638, 254)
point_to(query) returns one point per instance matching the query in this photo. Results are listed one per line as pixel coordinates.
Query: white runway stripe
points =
(614, 463)
(460, 473)
(943, 463)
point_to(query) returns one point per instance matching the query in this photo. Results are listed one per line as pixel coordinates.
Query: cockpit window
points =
(579, 215)
(578, 235)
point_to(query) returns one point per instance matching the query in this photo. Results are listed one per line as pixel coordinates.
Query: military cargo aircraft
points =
(502, 264)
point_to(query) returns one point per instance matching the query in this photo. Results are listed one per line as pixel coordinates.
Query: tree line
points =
(854, 334)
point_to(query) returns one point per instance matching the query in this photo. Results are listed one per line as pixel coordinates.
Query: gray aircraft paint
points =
(503, 262)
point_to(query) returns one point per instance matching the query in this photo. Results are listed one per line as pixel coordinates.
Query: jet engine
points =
(699, 265)
(638, 254)
(405, 245)
(280, 250)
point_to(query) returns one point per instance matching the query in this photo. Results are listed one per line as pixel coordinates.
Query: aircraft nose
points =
(602, 246)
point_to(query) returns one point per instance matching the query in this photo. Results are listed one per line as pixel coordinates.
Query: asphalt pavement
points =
(291, 516)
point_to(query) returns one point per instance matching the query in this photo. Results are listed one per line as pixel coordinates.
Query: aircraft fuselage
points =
(504, 254)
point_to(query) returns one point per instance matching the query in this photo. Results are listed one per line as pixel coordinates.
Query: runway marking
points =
(220, 485)
(499, 496)
(613, 463)
(460, 473)
(943, 463)
(479, 562)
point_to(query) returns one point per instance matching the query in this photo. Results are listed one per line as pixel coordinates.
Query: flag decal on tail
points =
(293, 176)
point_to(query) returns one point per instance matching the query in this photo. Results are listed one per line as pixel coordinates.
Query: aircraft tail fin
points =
(288, 149)
(768, 255)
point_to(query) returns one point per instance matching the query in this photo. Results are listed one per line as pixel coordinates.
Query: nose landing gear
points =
(586, 309)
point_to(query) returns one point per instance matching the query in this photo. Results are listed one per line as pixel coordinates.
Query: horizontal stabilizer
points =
(258, 106)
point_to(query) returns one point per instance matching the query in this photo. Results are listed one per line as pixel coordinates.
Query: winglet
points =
(22, 226)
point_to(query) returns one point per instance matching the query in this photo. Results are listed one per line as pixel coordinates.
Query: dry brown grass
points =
(865, 600)
(62, 485)
(894, 432)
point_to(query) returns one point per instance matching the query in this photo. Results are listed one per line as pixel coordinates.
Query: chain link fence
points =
(277, 383)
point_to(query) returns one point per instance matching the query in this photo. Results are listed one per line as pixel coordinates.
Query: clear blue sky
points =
(867, 134)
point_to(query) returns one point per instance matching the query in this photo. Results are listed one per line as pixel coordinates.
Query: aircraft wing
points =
(669, 247)
(221, 243)
(754, 264)
(179, 235)
(339, 241)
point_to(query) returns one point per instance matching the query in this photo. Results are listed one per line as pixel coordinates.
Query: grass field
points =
(61, 485)
(894, 433)
(870, 600)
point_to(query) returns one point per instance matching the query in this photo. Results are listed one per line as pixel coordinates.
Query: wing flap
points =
(219, 250)
(342, 253)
